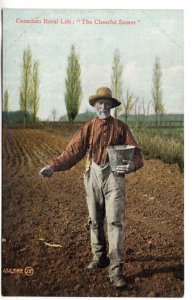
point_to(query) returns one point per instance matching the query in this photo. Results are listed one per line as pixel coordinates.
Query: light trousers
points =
(106, 199)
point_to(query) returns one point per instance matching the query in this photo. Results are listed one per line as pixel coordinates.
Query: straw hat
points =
(103, 93)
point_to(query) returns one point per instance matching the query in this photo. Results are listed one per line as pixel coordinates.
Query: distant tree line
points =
(17, 117)
(30, 98)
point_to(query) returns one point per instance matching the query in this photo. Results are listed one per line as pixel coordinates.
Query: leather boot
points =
(118, 281)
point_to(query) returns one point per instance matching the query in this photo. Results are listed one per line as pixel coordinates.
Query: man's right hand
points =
(46, 171)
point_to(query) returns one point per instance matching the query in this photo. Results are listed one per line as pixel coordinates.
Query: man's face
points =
(103, 107)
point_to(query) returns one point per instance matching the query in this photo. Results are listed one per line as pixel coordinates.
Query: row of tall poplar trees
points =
(128, 101)
(73, 93)
(29, 89)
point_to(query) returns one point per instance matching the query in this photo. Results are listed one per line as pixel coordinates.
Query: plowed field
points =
(45, 225)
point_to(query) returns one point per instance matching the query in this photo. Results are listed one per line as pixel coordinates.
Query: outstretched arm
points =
(74, 152)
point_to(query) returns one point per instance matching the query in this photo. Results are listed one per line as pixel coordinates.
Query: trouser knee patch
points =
(116, 224)
(93, 224)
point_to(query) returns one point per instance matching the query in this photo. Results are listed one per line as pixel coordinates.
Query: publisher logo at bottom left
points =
(28, 271)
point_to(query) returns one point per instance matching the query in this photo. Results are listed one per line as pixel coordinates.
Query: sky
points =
(139, 34)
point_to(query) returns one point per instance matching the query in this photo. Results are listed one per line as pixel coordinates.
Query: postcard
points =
(76, 81)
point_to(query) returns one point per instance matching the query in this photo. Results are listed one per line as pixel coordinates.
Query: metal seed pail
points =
(118, 153)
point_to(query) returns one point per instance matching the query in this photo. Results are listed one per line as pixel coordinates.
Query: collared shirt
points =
(92, 139)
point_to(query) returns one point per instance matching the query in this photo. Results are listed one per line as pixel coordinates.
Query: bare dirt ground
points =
(38, 213)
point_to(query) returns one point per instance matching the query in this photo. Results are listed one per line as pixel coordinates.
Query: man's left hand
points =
(127, 168)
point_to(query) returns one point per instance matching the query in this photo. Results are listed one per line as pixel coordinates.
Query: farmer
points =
(105, 189)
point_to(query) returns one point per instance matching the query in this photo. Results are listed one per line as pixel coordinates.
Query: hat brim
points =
(95, 98)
